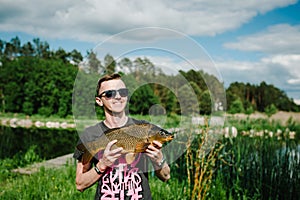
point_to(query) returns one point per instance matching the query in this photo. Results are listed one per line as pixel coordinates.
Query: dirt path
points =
(53, 163)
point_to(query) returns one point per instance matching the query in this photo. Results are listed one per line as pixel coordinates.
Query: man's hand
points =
(109, 156)
(154, 152)
(162, 169)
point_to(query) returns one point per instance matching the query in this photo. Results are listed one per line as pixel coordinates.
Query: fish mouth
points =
(169, 138)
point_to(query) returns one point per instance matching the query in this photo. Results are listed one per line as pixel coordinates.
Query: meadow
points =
(261, 162)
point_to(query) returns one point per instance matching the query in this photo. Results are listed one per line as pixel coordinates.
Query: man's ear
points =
(99, 101)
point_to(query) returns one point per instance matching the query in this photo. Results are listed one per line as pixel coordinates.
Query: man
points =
(116, 178)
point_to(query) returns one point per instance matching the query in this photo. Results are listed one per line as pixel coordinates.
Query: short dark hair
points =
(107, 77)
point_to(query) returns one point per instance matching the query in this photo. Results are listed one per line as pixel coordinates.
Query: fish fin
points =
(86, 157)
(141, 147)
(130, 157)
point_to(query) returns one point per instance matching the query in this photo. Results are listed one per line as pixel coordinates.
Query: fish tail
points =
(86, 157)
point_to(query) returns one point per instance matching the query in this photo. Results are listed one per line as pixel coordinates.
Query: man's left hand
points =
(154, 152)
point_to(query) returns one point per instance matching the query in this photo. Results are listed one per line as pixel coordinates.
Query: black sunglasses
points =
(112, 93)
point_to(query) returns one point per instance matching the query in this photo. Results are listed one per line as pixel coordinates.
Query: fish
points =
(133, 139)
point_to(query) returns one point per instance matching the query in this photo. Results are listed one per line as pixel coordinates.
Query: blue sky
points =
(243, 41)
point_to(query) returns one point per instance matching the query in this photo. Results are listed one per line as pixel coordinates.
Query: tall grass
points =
(54, 184)
(201, 160)
(249, 166)
(259, 168)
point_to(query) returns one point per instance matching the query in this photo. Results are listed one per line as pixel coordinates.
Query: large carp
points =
(133, 139)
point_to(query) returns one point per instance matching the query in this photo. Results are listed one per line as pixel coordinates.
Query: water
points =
(50, 142)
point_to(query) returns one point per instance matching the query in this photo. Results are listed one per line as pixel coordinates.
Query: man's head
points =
(106, 78)
(112, 93)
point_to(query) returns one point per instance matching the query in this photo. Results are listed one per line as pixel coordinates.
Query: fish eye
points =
(163, 133)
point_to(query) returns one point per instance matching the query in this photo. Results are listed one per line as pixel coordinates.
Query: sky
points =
(243, 41)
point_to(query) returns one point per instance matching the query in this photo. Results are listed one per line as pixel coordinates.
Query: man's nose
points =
(118, 96)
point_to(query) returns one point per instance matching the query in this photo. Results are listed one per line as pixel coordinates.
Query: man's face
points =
(115, 104)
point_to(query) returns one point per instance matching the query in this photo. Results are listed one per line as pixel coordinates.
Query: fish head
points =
(161, 135)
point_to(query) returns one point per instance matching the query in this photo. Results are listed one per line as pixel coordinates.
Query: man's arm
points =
(163, 172)
(87, 176)
(162, 169)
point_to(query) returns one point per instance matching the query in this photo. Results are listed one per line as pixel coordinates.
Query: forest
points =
(37, 80)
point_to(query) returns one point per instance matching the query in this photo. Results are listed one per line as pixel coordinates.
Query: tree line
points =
(37, 80)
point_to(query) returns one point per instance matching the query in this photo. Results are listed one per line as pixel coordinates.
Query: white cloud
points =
(290, 63)
(277, 39)
(91, 20)
(279, 44)
(282, 71)
(297, 101)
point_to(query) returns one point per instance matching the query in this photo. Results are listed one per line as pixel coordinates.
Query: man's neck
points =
(115, 120)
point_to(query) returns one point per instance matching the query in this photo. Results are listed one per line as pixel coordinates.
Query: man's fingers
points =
(152, 148)
(157, 144)
(110, 144)
(118, 150)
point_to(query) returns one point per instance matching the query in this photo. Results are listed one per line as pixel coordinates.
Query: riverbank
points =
(20, 120)
(281, 116)
(48, 164)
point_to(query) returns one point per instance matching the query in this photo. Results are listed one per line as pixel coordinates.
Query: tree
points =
(41, 48)
(109, 64)
(126, 65)
(2, 45)
(61, 54)
(142, 99)
(270, 110)
(188, 100)
(16, 45)
(27, 50)
(236, 107)
(94, 63)
(205, 103)
(75, 56)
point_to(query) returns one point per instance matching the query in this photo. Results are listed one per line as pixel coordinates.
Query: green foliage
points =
(31, 156)
(146, 94)
(236, 107)
(28, 108)
(260, 168)
(94, 65)
(46, 90)
(248, 167)
(35, 80)
(205, 103)
(188, 100)
(249, 110)
(46, 184)
(109, 64)
(260, 96)
(270, 110)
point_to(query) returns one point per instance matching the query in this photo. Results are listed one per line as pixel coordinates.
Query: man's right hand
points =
(109, 156)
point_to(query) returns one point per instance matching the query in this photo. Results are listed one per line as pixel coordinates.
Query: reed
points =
(201, 156)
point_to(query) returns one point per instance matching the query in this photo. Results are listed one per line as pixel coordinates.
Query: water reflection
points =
(50, 142)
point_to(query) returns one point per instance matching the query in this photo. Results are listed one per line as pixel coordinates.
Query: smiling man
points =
(117, 179)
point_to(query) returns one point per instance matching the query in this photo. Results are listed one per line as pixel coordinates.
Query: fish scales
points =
(133, 139)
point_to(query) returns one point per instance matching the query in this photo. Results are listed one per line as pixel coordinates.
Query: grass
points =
(248, 167)
(57, 184)
(236, 180)
(46, 184)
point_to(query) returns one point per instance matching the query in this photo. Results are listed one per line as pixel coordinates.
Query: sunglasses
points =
(112, 93)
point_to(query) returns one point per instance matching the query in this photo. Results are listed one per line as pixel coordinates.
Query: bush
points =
(270, 110)
(236, 107)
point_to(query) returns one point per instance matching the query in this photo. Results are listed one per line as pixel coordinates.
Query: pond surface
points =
(50, 143)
